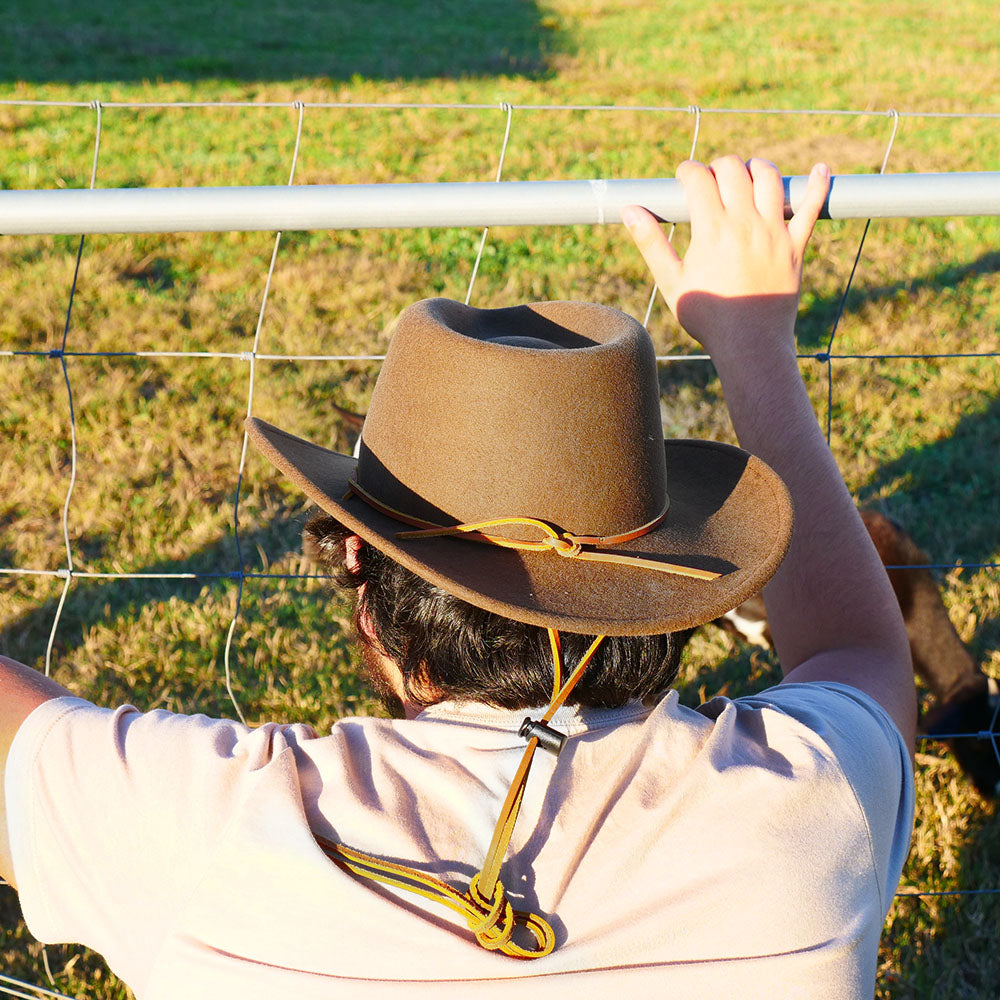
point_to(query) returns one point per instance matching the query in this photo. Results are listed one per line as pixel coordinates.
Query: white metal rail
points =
(408, 206)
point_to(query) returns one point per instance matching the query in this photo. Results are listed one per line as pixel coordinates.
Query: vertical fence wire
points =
(60, 353)
(826, 356)
(696, 111)
(251, 357)
(509, 108)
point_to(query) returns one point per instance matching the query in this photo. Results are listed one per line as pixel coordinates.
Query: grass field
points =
(158, 438)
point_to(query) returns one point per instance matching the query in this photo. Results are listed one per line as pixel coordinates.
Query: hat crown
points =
(468, 422)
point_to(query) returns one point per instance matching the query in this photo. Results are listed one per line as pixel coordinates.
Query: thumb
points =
(659, 255)
(800, 227)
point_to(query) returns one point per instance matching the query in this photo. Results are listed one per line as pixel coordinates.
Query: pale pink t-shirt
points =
(747, 849)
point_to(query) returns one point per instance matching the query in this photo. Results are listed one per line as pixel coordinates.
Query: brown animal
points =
(966, 699)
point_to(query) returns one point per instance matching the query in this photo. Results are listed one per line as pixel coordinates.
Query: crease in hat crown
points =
(468, 422)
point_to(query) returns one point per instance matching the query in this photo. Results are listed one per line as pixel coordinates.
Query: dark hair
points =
(457, 651)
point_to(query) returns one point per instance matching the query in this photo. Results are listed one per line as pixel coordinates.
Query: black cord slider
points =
(548, 738)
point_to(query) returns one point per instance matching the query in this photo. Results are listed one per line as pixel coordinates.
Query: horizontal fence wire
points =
(152, 210)
(11, 987)
(503, 105)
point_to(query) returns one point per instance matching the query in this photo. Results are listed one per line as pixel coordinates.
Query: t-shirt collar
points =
(567, 719)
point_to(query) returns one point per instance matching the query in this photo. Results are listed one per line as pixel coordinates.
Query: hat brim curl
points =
(729, 513)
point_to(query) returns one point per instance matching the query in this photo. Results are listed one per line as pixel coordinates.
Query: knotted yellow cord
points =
(564, 543)
(484, 904)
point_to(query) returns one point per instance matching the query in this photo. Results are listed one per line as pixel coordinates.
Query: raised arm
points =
(831, 608)
(22, 690)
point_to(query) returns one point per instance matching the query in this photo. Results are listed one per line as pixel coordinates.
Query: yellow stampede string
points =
(489, 914)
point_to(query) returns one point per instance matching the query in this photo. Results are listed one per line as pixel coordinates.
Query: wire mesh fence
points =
(149, 558)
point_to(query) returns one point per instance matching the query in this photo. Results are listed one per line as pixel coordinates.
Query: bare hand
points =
(743, 267)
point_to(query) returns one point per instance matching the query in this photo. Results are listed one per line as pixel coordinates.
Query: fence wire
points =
(73, 346)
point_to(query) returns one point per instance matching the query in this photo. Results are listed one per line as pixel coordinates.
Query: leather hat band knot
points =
(565, 543)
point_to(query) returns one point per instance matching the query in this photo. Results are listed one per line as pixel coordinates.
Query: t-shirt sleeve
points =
(113, 816)
(873, 756)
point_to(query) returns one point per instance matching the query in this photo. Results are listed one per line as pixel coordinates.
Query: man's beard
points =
(375, 674)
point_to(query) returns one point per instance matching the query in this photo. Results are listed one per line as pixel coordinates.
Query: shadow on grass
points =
(946, 494)
(817, 321)
(65, 42)
(198, 687)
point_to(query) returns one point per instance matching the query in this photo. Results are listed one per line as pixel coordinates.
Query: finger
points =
(659, 255)
(768, 189)
(735, 187)
(801, 225)
(701, 191)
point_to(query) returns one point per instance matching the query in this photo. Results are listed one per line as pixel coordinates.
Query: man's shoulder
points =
(827, 707)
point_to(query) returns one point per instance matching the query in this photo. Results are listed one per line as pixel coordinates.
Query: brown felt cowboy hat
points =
(543, 421)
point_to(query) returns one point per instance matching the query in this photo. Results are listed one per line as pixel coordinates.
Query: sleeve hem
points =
(18, 781)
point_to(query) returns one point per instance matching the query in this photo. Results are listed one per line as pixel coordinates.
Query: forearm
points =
(830, 606)
(832, 575)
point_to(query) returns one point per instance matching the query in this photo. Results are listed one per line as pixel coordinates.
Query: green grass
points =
(159, 438)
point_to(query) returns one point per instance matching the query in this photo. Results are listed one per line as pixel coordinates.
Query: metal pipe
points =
(409, 206)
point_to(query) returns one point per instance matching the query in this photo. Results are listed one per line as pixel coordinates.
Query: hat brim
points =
(729, 513)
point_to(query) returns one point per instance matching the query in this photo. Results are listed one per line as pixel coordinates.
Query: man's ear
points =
(352, 561)
(352, 548)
